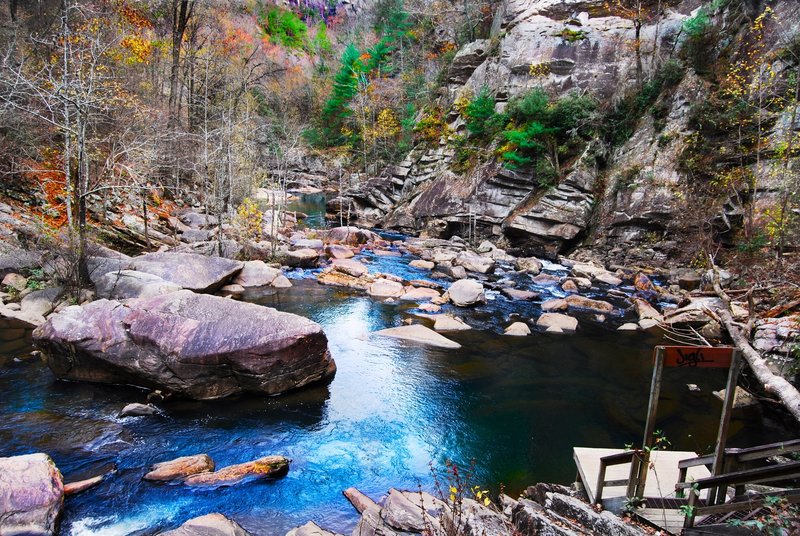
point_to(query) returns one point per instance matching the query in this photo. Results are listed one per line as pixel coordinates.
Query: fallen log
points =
(773, 383)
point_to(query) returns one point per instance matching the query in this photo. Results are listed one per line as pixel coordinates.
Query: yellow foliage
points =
(538, 70)
(139, 48)
(387, 126)
(248, 219)
(463, 99)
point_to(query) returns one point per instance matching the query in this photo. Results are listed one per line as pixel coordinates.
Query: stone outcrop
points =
(194, 345)
(132, 284)
(544, 510)
(31, 495)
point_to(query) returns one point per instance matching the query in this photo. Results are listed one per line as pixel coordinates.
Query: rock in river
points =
(180, 468)
(31, 495)
(420, 334)
(267, 467)
(557, 323)
(194, 345)
(466, 292)
(208, 525)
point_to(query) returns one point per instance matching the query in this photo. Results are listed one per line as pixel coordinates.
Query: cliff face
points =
(611, 196)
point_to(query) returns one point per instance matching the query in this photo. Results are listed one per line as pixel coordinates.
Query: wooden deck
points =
(662, 476)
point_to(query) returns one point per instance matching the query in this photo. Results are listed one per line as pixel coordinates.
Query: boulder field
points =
(194, 345)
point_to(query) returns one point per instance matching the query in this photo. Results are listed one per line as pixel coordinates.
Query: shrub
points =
(481, 119)
(284, 27)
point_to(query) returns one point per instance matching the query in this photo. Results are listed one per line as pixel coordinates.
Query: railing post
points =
(640, 475)
(717, 495)
(690, 510)
(601, 482)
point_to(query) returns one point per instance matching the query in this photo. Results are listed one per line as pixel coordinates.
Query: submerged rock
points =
(208, 525)
(31, 495)
(180, 468)
(310, 529)
(518, 329)
(420, 334)
(195, 345)
(137, 410)
(449, 323)
(267, 467)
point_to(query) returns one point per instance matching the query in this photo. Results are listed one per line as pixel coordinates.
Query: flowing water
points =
(394, 410)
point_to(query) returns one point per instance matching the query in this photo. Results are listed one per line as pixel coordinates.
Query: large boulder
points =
(474, 263)
(350, 267)
(466, 292)
(385, 288)
(31, 495)
(194, 345)
(302, 258)
(41, 302)
(351, 236)
(208, 525)
(189, 270)
(132, 284)
(256, 274)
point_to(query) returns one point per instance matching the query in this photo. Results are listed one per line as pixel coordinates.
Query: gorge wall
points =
(630, 199)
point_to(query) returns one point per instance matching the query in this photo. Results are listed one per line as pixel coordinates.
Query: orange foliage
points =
(49, 177)
(133, 16)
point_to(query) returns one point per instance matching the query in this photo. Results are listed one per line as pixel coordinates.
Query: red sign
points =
(698, 356)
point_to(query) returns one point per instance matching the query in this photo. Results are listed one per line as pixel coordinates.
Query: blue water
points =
(514, 405)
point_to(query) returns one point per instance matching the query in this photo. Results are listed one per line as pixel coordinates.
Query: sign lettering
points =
(697, 356)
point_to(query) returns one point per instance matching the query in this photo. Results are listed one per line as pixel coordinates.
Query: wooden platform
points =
(661, 479)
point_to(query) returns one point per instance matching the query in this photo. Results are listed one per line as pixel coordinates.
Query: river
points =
(393, 411)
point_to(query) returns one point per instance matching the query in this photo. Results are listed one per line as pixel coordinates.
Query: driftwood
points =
(777, 385)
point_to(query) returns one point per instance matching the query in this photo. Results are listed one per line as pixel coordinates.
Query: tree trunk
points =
(181, 12)
(772, 383)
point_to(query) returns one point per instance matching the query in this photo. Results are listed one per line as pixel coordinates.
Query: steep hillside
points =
(631, 185)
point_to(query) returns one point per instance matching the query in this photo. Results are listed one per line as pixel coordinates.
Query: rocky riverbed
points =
(378, 301)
